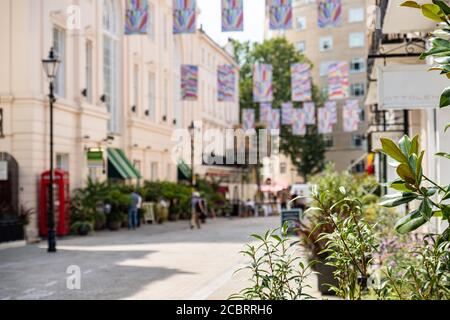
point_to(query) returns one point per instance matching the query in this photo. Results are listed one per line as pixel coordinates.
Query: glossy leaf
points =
(444, 101)
(405, 145)
(410, 4)
(397, 199)
(446, 127)
(399, 185)
(433, 12)
(410, 222)
(444, 7)
(445, 211)
(443, 154)
(415, 145)
(404, 172)
(426, 209)
(392, 150)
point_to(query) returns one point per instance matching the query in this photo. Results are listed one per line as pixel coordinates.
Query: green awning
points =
(122, 167)
(184, 172)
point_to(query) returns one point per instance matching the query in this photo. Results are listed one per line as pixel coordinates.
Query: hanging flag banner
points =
(299, 122)
(262, 83)
(189, 82)
(325, 126)
(265, 113)
(287, 113)
(226, 80)
(248, 119)
(274, 123)
(232, 15)
(351, 115)
(310, 112)
(338, 82)
(136, 17)
(331, 106)
(329, 13)
(280, 14)
(301, 82)
(184, 16)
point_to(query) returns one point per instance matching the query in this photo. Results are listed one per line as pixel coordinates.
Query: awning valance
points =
(120, 167)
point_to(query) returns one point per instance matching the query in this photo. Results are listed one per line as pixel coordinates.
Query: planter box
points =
(11, 230)
(325, 277)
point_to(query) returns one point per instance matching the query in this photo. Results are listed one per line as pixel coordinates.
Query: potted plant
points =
(117, 202)
(81, 228)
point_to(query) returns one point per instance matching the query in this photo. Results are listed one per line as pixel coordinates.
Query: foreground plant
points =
(427, 278)
(350, 247)
(277, 272)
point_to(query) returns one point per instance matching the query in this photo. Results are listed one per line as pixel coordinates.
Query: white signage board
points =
(3, 170)
(376, 136)
(409, 86)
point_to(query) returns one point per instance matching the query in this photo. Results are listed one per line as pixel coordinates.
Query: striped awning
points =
(123, 167)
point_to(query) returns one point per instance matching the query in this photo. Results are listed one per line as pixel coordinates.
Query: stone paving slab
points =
(166, 262)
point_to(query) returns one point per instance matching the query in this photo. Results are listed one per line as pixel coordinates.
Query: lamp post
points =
(192, 133)
(50, 66)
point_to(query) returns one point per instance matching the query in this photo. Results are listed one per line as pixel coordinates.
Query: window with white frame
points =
(151, 21)
(357, 65)
(89, 73)
(355, 15)
(111, 63)
(301, 46)
(357, 89)
(59, 47)
(324, 65)
(356, 40)
(154, 171)
(283, 167)
(300, 23)
(326, 43)
(62, 161)
(151, 97)
(357, 140)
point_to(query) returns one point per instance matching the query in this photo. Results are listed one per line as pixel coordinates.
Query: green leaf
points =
(410, 222)
(404, 172)
(405, 145)
(446, 127)
(415, 145)
(410, 4)
(342, 190)
(426, 209)
(445, 211)
(445, 98)
(419, 168)
(399, 185)
(443, 154)
(392, 150)
(437, 52)
(444, 7)
(433, 12)
(394, 200)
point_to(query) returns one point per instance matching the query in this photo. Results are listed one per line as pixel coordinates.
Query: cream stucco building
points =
(113, 91)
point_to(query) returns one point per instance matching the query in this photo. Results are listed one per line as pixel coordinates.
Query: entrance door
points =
(11, 227)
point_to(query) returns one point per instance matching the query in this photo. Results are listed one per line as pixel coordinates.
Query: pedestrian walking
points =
(196, 210)
(133, 210)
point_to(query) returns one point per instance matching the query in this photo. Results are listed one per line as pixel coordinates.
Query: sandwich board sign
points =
(292, 218)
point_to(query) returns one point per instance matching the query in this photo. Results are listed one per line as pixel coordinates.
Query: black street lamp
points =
(50, 66)
(192, 133)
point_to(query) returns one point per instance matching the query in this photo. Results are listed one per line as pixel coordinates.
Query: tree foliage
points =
(306, 153)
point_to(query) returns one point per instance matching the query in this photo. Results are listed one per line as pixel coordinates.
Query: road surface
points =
(167, 261)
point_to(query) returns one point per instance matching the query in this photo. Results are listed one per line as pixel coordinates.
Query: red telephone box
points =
(62, 202)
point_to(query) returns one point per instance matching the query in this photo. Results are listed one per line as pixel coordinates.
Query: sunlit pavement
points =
(167, 261)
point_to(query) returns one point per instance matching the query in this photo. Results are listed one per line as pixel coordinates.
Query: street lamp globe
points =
(51, 65)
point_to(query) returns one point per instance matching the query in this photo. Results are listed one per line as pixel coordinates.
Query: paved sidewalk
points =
(167, 261)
